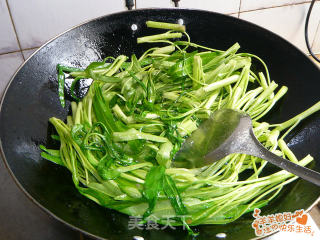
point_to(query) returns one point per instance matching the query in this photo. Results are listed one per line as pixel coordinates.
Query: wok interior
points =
(32, 99)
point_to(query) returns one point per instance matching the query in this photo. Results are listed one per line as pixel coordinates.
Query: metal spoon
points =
(229, 131)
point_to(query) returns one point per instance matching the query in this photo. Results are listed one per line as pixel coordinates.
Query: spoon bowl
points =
(229, 131)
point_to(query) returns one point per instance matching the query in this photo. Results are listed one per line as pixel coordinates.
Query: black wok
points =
(32, 97)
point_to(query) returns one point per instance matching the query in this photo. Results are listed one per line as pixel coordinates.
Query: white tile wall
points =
(316, 41)
(287, 21)
(234, 15)
(247, 5)
(154, 4)
(8, 40)
(37, 21)
(8, 65)
(222, 6)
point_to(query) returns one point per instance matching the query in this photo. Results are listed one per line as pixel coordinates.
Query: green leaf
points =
(52, 152)
(153, 185)
(109, 174)
(102, 110)
(96, 65)
(103, 78)
(78, 133)
(74, 82)
(106, 168)
(54, 159)
(173, 195)
(182, 67)
(55, 137)
(136, 146)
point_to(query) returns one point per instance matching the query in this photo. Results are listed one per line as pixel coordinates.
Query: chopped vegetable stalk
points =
(169, 26)
(133, 134)
(121, 138)
(159, 37)
(164, 154)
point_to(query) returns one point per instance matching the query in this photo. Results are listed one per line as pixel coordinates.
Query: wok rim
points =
(2, 154)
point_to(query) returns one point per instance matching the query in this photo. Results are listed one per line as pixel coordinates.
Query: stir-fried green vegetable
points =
(122, 136)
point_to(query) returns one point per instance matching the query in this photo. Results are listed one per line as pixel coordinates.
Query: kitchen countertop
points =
(22, 219)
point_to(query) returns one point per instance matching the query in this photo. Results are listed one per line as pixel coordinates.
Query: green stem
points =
(159, 37)
(164, 25)
(299, 117)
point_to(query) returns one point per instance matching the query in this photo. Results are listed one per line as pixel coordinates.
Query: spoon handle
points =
(300, 171)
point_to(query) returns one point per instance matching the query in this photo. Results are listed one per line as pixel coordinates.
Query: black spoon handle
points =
(300, 171)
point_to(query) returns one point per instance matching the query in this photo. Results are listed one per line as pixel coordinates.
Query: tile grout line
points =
(284, 5)
(135, 1)
(26, 49)
(15, 30)
(11, 52)
(239, 8)
(232, 13)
